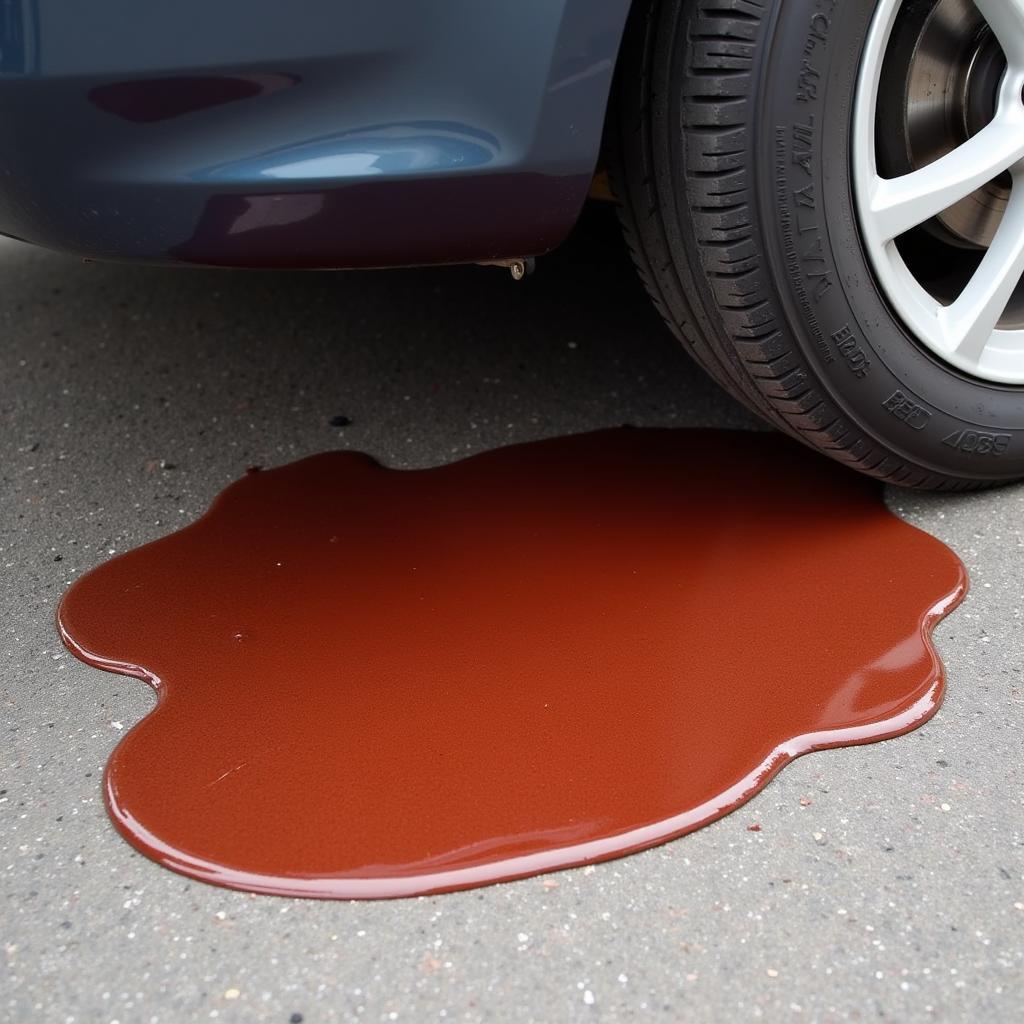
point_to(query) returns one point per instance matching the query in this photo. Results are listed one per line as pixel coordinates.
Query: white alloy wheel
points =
(938, 174)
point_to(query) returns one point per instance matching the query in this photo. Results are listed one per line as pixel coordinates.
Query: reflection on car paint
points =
(159, 99)
(392, 149)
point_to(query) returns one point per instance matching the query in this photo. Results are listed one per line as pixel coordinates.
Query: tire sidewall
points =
(873, 370)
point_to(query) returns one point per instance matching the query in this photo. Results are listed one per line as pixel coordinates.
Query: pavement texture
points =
(885, 882)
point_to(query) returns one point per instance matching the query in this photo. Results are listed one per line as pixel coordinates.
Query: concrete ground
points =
(885, 883)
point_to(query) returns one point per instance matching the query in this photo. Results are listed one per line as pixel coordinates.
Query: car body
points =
(825, 199)
(325, 133)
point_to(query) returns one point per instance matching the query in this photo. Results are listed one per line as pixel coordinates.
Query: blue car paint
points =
(318, 133)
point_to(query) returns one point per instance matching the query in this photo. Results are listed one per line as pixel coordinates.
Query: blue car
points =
(825, 198)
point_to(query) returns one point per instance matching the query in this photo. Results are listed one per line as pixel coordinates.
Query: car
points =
(823, 197)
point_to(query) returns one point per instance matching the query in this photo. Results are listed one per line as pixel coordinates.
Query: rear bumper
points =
(328, 133)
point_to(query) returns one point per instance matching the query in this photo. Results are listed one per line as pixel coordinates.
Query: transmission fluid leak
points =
(379, 683)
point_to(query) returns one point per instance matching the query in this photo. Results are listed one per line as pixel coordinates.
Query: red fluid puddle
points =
(380, 683)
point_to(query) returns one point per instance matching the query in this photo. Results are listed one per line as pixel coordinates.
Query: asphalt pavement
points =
(886, 881)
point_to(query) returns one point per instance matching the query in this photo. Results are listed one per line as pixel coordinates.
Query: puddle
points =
(379, 683)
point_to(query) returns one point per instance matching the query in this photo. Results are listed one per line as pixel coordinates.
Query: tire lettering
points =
(805, 196)
(905, 409)
(787, 223)
(976, 442)
(803, 143)
(807, 88)
(848, 346)
(819, 26)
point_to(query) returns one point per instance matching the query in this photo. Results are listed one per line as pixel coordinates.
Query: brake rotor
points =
(939, 88)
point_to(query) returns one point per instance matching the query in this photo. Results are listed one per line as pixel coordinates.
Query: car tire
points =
(734, 143)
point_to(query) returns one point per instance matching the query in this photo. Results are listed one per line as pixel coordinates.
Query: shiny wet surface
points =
(379, 683)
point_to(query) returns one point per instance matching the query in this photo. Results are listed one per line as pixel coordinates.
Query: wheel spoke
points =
(899, 204)
(968, 323)
(1006, 19)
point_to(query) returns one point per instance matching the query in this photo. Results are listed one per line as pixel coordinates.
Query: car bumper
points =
(333, 133)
